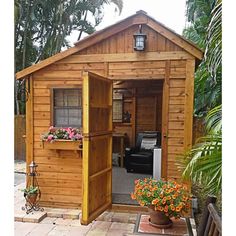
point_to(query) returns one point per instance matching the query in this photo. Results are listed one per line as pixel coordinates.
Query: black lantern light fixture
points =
(32, 167)
(139, 40)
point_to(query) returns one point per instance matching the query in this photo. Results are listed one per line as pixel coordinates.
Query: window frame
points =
(52, 107)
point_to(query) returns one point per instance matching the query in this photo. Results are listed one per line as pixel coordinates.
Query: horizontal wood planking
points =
(61, 176)
(136, 65)
(123, 42)
(65, 190)
(59, 182)
(76, 200)
(176, 139)
(61, 171)
(69, 168)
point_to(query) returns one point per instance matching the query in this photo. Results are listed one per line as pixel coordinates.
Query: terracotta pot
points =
(31, 198)
(159, 219)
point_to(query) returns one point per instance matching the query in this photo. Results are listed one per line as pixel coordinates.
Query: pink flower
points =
(78, 136)
(52, 129)
(50, 137)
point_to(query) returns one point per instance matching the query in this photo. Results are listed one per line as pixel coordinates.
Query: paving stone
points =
(132, 218)
(75, 222)
(22, 229)
(117, 232)
(123, 226)
(55, 212)
(78, 231)
(59, 230)
(61, 221)
(19, 215)
(48, 220)
(35, 216)
(106, 216)
(101, 225)
(97, 232)
(41, 229)
(121, 217)
(72, 214)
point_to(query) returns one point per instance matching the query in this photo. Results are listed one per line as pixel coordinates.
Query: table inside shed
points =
(121, 139)
(180, 227)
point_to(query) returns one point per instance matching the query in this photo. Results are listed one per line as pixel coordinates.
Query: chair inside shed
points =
(137, 122)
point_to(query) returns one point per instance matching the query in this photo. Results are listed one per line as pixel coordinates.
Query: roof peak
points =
(141, 12)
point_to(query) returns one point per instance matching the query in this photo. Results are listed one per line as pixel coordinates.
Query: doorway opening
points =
(137, 115)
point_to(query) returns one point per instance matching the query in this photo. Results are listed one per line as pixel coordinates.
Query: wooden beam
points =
(189, 92)
(127, 57)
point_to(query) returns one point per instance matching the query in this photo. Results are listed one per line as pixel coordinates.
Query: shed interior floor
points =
(123, 185)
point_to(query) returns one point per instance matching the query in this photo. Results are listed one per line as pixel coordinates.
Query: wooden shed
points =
(156, 88)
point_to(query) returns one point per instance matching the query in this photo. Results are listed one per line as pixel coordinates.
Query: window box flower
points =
(62, 139)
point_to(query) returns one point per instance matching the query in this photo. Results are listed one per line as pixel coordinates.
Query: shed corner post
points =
(29, 123)
(165, 120)
(189, 100)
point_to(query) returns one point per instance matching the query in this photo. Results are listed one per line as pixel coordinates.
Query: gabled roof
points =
(139, 18)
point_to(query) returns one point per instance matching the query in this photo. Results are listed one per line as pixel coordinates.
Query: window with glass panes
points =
(67, 107)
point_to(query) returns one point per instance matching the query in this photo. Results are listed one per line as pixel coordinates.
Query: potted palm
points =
(165, 199)
(31, 194)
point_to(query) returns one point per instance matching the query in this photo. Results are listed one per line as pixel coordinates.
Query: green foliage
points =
(42, 29)
(31, 190)
(203, 163)
(204, 29)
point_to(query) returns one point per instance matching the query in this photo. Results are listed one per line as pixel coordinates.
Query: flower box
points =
(61, 144)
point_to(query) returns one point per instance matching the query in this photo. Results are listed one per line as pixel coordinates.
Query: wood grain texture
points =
(97, 129)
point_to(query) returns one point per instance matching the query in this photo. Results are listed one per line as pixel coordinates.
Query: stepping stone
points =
(71, 214)
(34, 217)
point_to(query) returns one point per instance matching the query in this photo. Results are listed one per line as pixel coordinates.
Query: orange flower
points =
(168, 198)
(161, 208)
(155, 201)
(172, 207)
(161, 195)
(166, 209)
(133, 196)
(177, 209)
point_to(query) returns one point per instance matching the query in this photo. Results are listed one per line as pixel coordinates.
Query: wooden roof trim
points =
(139, 18)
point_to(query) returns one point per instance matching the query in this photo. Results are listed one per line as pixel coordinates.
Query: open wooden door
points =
(97, 146)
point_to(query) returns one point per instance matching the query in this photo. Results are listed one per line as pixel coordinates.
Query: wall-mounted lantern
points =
(139, 40)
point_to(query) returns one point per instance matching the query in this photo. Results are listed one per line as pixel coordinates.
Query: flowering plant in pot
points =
(62, 133)
(165, 199)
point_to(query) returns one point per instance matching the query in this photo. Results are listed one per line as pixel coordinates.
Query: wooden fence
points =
(198, 128)
(198, 131)
(19, 145)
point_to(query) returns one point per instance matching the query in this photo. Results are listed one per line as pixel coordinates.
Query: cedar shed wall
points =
(60, 178)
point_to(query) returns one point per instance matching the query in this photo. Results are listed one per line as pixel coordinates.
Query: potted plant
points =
(62, 138)
(31, 194)
(165, 199)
